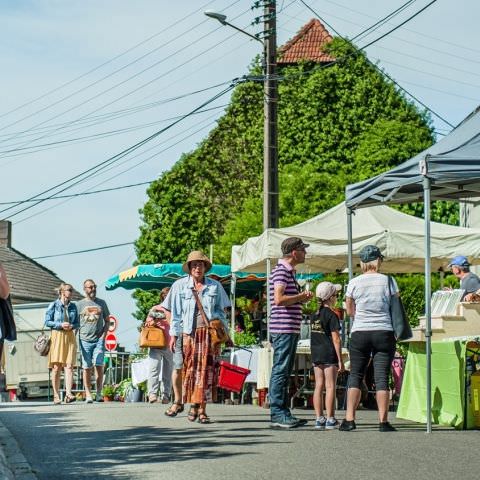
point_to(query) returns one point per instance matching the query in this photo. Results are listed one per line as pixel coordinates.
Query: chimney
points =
(5, 233)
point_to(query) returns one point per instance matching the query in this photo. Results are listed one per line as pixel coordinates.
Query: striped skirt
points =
(200, 368)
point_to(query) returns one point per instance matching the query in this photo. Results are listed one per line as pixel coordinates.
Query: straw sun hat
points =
(197, 255)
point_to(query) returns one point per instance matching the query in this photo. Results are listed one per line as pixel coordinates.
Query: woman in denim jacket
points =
(199, 357)
(62, 317)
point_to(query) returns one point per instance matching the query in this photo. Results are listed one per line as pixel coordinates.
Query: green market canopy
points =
(161, 275)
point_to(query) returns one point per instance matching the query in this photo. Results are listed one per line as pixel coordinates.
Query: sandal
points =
(178, 409)
(70, 398)
(193, 412)
(204, 419)
(57, 401)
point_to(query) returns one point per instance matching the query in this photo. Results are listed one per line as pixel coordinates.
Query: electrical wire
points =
(116, 157)
(93, 192)
(98, 67)
(336, 61)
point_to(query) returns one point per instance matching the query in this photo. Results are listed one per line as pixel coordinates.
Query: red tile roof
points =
(306, 45)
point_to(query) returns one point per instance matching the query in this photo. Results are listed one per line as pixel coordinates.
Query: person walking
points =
(62, 318)
(7, 322)
(326, 350)
(176, 347)
(286, 317)
(198, 298)
(160, 358)
(368, 304)
(94, 315)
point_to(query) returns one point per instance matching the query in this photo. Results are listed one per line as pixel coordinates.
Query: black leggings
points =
(378, 344)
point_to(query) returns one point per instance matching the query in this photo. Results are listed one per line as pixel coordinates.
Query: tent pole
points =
(428, 294)
(350, 243)
(269, 305)
(233, 288)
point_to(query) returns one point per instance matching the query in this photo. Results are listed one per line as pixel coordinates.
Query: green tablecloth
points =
(448, 384)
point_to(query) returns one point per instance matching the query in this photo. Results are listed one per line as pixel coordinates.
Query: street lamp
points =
(270, 137)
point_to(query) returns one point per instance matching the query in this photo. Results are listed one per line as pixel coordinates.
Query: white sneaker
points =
(89, 400)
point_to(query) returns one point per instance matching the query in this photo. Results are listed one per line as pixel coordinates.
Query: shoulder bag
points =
(152, 337)
(42, 344)
(401, 326)
(216, 329)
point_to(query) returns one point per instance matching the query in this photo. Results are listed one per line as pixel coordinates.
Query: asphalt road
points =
(136, 441)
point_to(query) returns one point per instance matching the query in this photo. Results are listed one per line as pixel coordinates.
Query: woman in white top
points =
(368, 303)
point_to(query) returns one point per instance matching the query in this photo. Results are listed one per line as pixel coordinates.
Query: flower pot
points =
(108, 398)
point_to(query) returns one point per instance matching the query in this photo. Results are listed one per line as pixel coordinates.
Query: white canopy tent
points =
(399, 236)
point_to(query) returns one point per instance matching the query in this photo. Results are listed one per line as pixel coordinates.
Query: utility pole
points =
(268, 38)
(270, 141)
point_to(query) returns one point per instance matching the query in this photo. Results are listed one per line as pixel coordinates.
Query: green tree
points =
(337, 125)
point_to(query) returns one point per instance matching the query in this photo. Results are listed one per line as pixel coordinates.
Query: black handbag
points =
(398, 315)
(7, 320)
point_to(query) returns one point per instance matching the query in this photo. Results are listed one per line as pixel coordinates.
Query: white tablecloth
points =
(242, 359)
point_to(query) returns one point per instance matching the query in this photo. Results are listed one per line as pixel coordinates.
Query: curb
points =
(13, 464)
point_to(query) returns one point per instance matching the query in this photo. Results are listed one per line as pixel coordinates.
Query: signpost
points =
(112, 323)
(110, 342)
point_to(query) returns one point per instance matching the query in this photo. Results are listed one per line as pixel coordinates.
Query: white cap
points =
(325, 290)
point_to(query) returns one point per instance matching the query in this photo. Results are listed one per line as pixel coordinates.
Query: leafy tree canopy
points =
(337, 125)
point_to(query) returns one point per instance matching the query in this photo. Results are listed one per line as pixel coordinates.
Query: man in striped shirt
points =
(285, 321)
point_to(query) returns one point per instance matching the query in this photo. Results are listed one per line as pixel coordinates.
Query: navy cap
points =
(459, 261)
(370, 253)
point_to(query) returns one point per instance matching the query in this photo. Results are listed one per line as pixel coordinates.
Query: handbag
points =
(398, 315)
(216, 329)
(42, 344)
(152, 337)
(7, 320)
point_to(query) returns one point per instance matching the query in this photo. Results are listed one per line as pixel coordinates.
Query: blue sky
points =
(46, 44)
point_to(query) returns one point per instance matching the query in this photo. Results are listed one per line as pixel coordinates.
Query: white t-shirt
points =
(372, 301)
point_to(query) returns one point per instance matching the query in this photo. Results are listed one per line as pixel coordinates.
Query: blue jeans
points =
(284, 348)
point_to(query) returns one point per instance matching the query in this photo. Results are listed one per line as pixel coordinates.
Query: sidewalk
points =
(13, 465)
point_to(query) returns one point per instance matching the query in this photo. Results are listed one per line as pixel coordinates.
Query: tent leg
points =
(350, 243)
(269, 305)
(428, 294)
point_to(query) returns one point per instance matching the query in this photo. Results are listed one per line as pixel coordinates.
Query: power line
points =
(102, 165)
(127, 80)
(73, 195)
(334, 62)
(104, 63)
(400, 25)
(88, 250)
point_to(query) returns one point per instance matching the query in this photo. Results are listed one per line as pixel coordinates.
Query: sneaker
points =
(386, 427)
(320, 423)
(286, 423)
(331, 423)
(98, 399)
(300, 421)
(347, 425)
(165, 401)
(88, 400)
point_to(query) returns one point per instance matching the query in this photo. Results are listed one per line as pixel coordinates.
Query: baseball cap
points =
(369, 253)
(459, 261)
(293, 243)
(325, 290)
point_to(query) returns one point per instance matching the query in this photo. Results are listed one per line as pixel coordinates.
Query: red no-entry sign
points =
(110, 342)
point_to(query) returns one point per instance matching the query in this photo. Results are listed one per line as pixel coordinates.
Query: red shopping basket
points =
(232, 377)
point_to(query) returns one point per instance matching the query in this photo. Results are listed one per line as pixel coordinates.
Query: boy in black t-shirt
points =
(326, 349)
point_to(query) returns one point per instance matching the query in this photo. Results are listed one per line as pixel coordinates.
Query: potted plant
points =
(108, 392)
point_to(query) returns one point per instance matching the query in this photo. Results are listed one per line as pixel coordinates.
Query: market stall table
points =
(450, 401)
